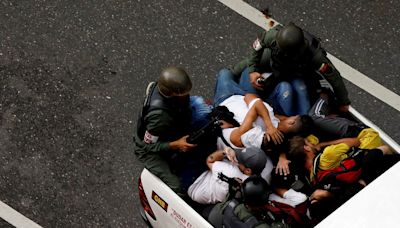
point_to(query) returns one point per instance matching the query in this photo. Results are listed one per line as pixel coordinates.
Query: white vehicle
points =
(376, 205)
(161, 207)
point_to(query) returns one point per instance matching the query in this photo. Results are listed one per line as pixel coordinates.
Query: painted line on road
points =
(347, 72)
(366, 83)
(15, 218)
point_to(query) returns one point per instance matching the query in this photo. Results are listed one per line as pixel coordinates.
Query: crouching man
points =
(252, 210)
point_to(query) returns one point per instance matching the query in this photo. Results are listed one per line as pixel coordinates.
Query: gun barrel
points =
(207, 128)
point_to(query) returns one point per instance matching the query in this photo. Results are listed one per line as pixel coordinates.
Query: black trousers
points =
(374, 163)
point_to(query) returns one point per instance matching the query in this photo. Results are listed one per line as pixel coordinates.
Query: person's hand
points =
(318, 147)
(319, 195)
(182, 145)
(253, 76)
(282, 168)
(344, 108)
(240, 182)
(231, 155)
(275, 135)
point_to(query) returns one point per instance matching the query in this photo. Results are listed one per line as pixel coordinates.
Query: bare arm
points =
(262, 111)
(319, 195)
(348, 141)
(282, 168)
(247, 124)
(280, 191)
(216, 156)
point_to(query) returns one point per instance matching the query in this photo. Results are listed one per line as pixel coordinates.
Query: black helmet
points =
(290, 40)
(255, 191)
(174, 81)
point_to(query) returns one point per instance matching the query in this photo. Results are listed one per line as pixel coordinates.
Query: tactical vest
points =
(155, 101)
(230, 220)
(223, 215)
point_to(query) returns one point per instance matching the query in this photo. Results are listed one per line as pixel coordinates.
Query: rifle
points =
(210, 127)
(234, 185)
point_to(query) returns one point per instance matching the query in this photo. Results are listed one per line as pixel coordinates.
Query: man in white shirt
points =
(209, 189)
(262, 128)
(257, 117)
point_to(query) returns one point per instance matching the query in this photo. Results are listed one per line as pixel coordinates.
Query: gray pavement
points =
(72, 76)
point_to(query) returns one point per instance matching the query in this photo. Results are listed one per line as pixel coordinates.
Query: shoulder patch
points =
(324, 68)
(149, 138)
(257, 44)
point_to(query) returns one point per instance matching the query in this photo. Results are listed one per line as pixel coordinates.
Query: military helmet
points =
(255, 191)
(174, 81)
(290, 39)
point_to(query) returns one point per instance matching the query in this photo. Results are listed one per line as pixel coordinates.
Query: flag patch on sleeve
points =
(324, 68)
(257, 45)
(149, 138)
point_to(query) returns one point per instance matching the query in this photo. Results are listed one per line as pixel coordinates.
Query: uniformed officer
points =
(289, 54)
(164, 124)
(250, 213)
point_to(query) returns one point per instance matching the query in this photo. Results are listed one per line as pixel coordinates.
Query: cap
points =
(253, 158)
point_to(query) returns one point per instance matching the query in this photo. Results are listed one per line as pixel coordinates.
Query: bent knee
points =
(284, 90)
(225, 74)
(299, 84)
(300, 87)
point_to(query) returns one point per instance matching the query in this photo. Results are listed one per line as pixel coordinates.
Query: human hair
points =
(296, 150)
(223, 113)
(302, 127)
(306, 125)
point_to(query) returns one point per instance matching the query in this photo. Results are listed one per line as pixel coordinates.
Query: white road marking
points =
(385, 137)
(366, 83)
(347, 72)
(15, 218)
(249, 12)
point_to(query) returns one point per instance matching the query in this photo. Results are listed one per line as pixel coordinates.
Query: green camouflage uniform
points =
(168, 125)
(231, 214)
(310, 65)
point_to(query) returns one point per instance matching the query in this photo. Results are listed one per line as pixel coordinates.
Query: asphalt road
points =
(73, 74)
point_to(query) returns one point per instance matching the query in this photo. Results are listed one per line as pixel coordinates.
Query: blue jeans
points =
(226, 86)
(200, 111)
(288, 97)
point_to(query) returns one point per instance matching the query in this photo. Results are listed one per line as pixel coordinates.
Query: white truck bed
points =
(377, 205)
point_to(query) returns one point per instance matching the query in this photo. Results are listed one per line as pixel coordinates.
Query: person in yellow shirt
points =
(303, 151)
(334, 151)
(373, 161)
